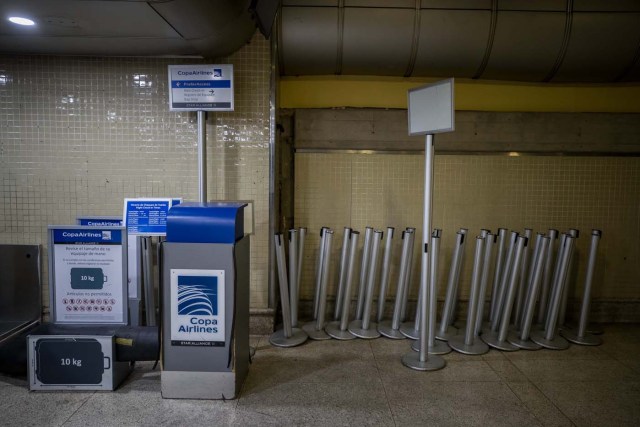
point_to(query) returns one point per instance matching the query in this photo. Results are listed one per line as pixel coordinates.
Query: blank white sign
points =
(431, 108)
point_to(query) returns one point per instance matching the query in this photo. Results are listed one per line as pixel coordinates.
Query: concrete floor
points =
(363, 383)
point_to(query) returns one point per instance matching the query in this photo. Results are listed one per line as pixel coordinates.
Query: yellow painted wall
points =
(474, 95)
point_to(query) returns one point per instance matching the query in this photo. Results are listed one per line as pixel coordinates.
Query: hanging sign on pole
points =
(201, 87)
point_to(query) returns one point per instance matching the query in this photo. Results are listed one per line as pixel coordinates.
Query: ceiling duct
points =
(593, 41)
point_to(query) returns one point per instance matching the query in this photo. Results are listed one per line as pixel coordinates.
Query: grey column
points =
(316, 299)
(293, 275)
(490, 239)
(581, 336)
(364, 328)
(546, 277)
(364, 268)
(315, 330)
(385, 275)
(342, 272)
(567, 287)
(504, 281)
(391, 329)
(522, 283)
(409, 277)
(338, 330)
(497, 273)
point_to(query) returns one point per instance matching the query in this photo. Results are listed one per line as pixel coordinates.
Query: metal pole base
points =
(433, 363)
(478, 347)
(514, 338)
(279, 340)
(440, 347)
(385, 329)
(408, 330)
(491, 338)
(451, 332)
(355, 327)
(333, 329)
(587, 339)
(557, 343)
(314, 334)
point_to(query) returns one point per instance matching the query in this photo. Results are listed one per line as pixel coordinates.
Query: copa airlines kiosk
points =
(205, 301)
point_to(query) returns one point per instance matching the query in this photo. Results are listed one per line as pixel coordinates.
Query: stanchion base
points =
(491, 338)
(315, 334)
(408, 330)
(439, 347)
(385, 329)
(298, 336)
(587, 339)
(333, 329)
(433, 363)
(557, 343)
(355, 327)
(452, 331)
(514, 338)
(478, 347)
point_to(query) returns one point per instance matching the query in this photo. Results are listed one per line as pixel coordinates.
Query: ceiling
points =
(592, 41)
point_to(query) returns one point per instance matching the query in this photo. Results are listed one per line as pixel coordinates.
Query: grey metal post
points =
(497, 273)
(338, 330)
(342, 272)
(315, 330)
(548, 338)
(364, 328)
(287, 336)
(364, 268)
(293, 276)
(202, 156)
(562, 314)
(490, 239)
(546, 277)
(302, 234)
(467, 343)
(521, 339)
(384, 279)
(411, 329)
(499, 339)
(316, 298)
(452, 312)
(391, 328)
(522, 283)
(530, 277)
(409, 277)
(421, 361)
(147, 281)
(581, 336)
(504, 280)
(435, 346)
(445, 331)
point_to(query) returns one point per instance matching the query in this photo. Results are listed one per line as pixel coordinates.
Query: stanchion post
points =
(364, 328)
(342, 272)
(293, 275)
(364, 268)
(391, 329)
(315, 330)
(581, 336)
(384, 279)
(490, 239)
(546, 277)
(497, 272)
(445, 331)
(338, 330)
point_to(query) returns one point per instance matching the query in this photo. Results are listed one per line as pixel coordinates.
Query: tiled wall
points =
(474, 192)
(78, 134)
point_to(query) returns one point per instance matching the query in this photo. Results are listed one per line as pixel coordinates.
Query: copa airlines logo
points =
(197, 296)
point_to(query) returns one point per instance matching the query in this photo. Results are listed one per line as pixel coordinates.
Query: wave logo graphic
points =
(197, 296)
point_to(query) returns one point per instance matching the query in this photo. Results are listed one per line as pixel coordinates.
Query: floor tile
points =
(611, 403)
(315, 404)
(457, 404)
(507, 371)
(539, 405)
(568, 370)
(20, 407)
(574, 352)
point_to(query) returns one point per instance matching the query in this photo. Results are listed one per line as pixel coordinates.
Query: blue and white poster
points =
(88, 267)
(201, 87)
(197, 307)
(147, 216)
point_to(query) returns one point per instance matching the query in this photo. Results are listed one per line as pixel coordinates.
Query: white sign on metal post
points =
(201, 87)
(431, 108)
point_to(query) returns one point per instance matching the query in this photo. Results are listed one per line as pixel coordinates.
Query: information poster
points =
(134, 278)
(201, 87)
(146, 216)
(88, 275)
(197, 307)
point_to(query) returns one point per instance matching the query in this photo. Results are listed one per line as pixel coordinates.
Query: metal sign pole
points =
(202, 156)
(421, 361)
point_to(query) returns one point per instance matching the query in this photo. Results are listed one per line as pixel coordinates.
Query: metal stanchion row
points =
(514, 303)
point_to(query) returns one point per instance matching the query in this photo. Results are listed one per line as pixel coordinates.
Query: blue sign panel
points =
(97, 221)
(146, 217)
(201, 87)
(76, 236)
